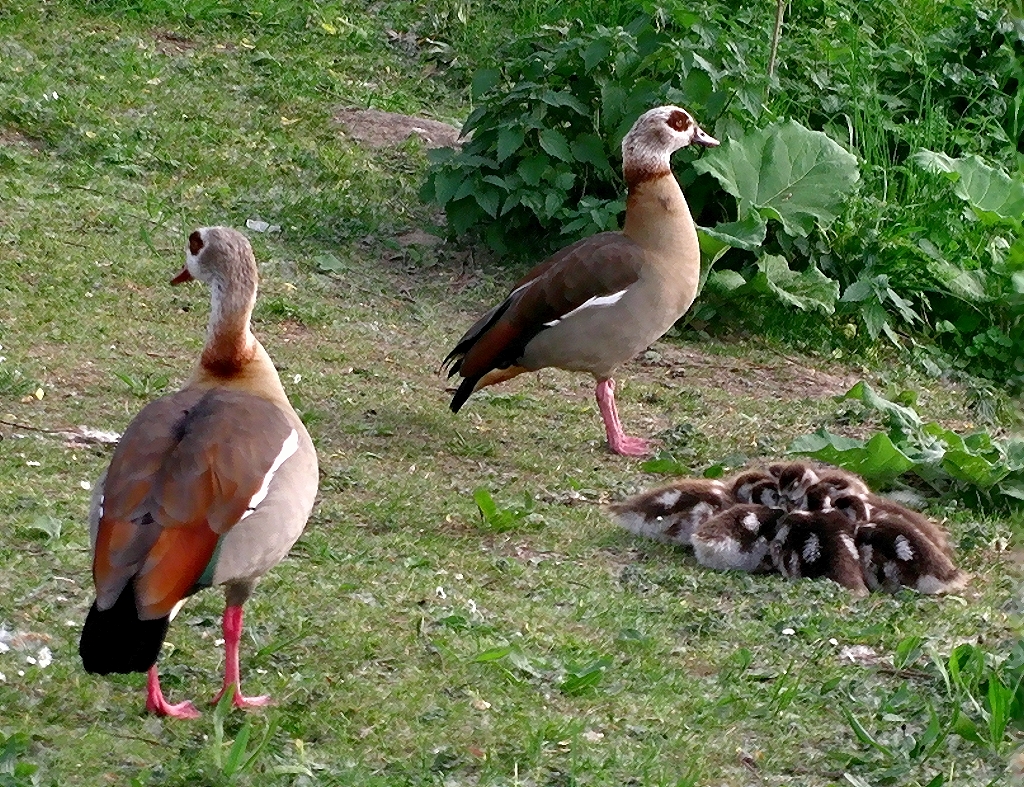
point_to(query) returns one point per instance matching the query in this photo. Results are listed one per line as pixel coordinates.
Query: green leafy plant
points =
(144, 385)
(497, 519)
(584, 677)
(238, 759)
(15, 770)
(976, 466)
(970, 694)
(13, 383)
(540, 168)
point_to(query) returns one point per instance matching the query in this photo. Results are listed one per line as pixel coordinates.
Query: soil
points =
(774, 376)
(377, 129)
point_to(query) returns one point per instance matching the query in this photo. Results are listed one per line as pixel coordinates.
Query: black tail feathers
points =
(115, 640)
(466, 387)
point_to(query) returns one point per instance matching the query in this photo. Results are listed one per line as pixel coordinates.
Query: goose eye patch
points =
(680, 121)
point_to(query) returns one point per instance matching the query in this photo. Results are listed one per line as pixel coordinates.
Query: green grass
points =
(406, 640)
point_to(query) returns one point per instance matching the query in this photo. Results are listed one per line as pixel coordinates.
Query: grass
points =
(406, 640)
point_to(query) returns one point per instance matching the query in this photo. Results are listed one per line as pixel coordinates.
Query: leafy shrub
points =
(541, 168)
(539, 157)
(971, 694)
(975, 467)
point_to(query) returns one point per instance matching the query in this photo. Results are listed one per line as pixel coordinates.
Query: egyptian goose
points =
(841, 481)
(597, 303)
(877, 505)
(794, 479)
(671, 513)
(894, 553)
(737, 538)
(756, 486)
(818, 544)
(208, 486)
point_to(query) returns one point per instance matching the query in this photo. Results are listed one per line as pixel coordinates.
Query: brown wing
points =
(597, 266)
(184, 473)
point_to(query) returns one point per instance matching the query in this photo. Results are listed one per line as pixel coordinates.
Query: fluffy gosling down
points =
(801, 520)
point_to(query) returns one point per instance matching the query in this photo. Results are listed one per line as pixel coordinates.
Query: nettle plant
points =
(541, 165)
(983, 320)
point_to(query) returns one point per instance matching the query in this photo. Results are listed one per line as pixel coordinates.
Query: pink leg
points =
(232, 625)
(618, 441)
(155, 702)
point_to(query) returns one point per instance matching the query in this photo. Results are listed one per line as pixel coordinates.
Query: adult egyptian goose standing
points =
(597, 303)
(208, 486)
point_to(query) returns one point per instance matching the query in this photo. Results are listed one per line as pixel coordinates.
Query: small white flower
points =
(44, 657)
(297, 379)
(788, 632)
(439, 592)
(32, 463)
(85, 485)
(3, 678)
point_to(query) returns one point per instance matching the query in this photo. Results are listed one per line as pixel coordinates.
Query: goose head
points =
(655, 136)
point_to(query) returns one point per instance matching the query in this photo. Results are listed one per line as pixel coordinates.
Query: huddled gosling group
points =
(801, 520)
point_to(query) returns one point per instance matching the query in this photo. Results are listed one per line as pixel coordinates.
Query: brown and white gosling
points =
(816, 544)
(671, 513)
(737, 538)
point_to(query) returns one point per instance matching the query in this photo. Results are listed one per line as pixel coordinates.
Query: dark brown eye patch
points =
(680, 121)
(195, 243)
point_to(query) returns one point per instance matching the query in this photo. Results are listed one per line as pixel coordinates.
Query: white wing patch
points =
(290, 446)
(751, 522)
(668, 498)
(596, 302)
(812, 548)
(177, 607)
(851, 547)
(701, 512)
(904, 551)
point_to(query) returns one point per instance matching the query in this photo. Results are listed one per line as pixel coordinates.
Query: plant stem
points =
(780, 10)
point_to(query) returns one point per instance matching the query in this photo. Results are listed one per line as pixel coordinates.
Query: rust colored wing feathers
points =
(175, 486)
(600, 265)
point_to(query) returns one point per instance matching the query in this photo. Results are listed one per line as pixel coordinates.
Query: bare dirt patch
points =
(377, 129)
(172, 44)
(775, 376)
(15, 139)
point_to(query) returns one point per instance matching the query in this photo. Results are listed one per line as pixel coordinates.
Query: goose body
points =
(794, 479)
(211, 485)
(756, 486)
(934, 532)
(597, 303)
(895, 554)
